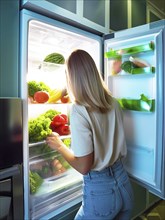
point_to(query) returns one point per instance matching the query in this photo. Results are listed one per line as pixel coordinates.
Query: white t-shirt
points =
(102, 133)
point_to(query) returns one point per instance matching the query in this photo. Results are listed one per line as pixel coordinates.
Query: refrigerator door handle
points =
(9, 172)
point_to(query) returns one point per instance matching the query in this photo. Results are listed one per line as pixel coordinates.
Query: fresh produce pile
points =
(53, 164)
(128, 66)
(39, 128)
(35, 181)
(55, 58)
(39, 92)
(34, 87)
(50, 167)
(58, 94)
(44, 124)
(132, 63)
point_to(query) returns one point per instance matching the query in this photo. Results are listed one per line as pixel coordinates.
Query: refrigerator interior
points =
(138, 89)
(59, 184)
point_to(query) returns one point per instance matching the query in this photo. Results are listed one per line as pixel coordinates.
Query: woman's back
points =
(102, 133)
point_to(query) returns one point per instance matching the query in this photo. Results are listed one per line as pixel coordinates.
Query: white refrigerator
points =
(139, 90)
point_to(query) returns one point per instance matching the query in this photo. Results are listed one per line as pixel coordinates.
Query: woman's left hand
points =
(54, 141)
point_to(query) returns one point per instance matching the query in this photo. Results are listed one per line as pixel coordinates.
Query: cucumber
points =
(55, 58)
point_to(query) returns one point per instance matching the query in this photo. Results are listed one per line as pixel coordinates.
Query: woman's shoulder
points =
(115, 102)
(76, 108)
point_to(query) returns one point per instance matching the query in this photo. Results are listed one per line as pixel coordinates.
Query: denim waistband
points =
(108, 170)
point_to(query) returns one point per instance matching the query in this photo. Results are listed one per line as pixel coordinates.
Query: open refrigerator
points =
(51, 185)
(56, 186)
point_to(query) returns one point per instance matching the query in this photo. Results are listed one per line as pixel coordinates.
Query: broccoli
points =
(34, 86)
(35, 181)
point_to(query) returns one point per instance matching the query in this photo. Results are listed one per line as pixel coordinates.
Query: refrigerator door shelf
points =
(131, 50)
(132, 71)
(124, 66)
(143, 104)
(143, 118)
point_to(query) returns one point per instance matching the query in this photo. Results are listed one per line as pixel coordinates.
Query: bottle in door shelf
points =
(115, 66)
(139, 62)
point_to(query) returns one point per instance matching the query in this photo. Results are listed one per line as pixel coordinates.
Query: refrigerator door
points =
(134, 72)
(57, 186)
(11, 132)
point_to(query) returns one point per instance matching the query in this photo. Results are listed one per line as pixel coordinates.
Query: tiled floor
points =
(155, 213)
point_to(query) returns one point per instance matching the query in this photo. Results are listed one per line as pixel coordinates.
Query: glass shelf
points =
(130, 50)
(63, 137)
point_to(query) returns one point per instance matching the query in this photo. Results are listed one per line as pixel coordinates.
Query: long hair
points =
(85, 82)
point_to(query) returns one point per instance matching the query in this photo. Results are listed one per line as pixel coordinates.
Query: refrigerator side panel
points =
(24, 91)
(160, 145)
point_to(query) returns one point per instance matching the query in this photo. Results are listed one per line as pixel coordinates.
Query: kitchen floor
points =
(157, 212)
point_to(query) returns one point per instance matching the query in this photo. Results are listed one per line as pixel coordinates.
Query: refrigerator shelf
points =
(54, 200)
(130, 50)
(37, 143)
(63, 137)
(48, 169)
(49, 67)
(143, 104)
(57, 185)
(42, 155)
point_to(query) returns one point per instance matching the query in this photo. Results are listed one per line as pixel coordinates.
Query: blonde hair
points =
(85, 82)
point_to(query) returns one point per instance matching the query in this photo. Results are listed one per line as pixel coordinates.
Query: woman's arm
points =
(81, 164)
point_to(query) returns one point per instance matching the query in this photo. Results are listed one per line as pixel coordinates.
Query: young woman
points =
(98, 143)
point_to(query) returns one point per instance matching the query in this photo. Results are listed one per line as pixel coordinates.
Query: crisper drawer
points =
(52, 179)
(50, 165)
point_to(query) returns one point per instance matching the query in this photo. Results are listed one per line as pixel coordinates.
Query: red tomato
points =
(41, 96)
(65, 99)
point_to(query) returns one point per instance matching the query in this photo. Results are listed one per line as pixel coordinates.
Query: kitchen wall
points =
(9, 69)
(131, 13)
(9, 48)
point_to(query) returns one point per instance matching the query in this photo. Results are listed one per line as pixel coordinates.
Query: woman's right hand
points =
(54, 141)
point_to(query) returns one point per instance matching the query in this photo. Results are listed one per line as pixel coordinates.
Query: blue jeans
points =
(106, 195)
